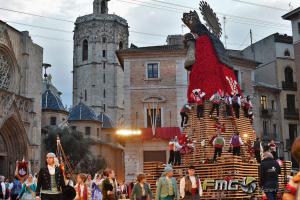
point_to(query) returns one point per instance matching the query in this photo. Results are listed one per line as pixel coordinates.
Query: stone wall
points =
(100, 77)
(25, 60)
(134, 160)
(168, 90)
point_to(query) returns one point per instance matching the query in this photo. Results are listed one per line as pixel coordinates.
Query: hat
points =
(296, 149)
(168, 168)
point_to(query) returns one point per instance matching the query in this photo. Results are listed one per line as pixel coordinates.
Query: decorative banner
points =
(22, 170)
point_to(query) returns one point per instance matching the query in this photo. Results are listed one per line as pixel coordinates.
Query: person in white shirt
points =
(177, 152)
(82, 189)
(228, 104)
(190, 186)
(216, 101)
(3, 187)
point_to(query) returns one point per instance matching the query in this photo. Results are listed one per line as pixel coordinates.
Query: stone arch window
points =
(103, 39)
(288, 74)
(85, 50)
(120, 45)
(5, 72)
(287, 53)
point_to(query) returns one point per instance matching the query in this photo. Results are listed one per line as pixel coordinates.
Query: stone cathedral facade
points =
(97, 76)
(20, 99)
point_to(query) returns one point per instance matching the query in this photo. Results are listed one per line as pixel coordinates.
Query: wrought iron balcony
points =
(266, 113)
(291, 114)
(292, 86)
(267, 137)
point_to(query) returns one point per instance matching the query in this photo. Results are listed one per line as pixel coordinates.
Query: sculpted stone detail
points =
(5, 72)
(23, 105)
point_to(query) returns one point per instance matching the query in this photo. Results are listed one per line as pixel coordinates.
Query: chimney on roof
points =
(175, 40)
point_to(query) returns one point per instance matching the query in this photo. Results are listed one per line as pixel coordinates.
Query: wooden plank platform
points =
(228, 167)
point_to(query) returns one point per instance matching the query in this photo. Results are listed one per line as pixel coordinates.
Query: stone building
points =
(20, 99)
(154, 90)
(155, 87)
(54, 113)
(97, 76)
(277, 71)
(83, 119)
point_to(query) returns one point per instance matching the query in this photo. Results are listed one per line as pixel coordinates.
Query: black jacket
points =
(44, 180)
(268, 173)
(107, 186)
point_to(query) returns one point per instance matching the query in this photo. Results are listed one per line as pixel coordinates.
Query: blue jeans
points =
(271, 195)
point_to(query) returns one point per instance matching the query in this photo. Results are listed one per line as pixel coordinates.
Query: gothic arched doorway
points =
(13, 145)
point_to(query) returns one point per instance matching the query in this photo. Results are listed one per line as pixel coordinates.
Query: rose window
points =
(5, 72)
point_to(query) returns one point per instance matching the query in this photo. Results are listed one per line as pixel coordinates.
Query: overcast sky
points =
(148, 16)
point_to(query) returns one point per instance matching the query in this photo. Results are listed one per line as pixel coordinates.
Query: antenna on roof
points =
(291, 7)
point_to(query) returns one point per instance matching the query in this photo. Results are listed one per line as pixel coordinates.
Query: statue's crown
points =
(191, 18)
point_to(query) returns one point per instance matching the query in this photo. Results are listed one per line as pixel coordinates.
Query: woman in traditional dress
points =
(96, 188)
(28, 189)
(82, 189)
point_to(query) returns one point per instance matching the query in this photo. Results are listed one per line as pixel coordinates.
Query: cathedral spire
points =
(100, 7)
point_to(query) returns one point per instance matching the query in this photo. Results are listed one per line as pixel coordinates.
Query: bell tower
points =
(97, 75)
(100, 7)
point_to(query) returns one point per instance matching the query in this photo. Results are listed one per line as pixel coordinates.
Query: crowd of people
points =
(231, 103)
(51, 183)
(179, 146)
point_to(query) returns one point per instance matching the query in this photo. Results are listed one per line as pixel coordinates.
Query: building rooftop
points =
(82, 112)
(292, 14)
(50, 101)
(133, 50)
(106, 121)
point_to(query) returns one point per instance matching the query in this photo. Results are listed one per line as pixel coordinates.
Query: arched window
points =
(288, 73)
(103, 7)
(287, 53)
(103, 39)
(85, 50)
(121, 45)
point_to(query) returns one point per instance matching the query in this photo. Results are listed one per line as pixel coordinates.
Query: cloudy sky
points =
(150, 22)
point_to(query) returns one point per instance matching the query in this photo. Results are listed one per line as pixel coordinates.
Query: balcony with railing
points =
(267, 137)
(292, 86)
(292, 114)
(266, 113)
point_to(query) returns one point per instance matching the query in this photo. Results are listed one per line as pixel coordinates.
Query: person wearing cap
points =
(292, 191)
(190, 186)
(166, 186)
(50, 180)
